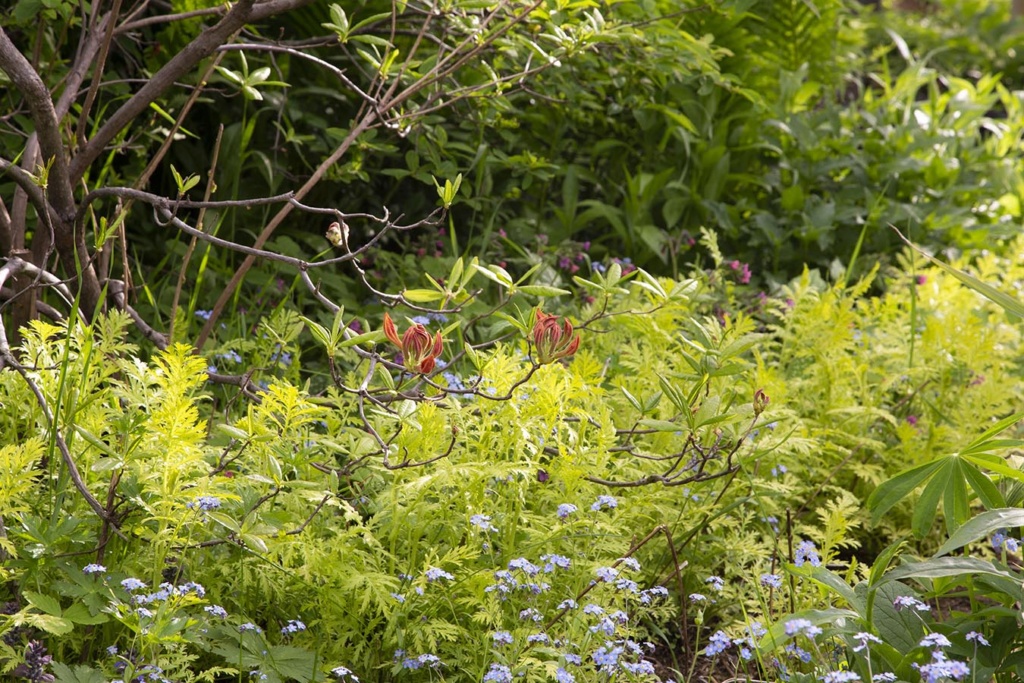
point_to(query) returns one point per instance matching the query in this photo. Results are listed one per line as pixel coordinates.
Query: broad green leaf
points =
(43, 603)
(78, 613)
(926, 507)
(660, 425)
(945, 566)
(51, 624)
(980, 443)
(987, 492)
(80, 674)
(980, 526)
(225, 521)
(955, 502)
(830, 580)
(896, 489)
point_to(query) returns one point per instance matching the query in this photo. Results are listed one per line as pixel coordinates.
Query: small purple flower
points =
(719, 643)
(565, 509)
(538, 638)
(502, 638)
(807, 552)
(571, 658)
(604, 502)
(568, 603)
(293, 626)
(204, 503)
(886, 677)
(904, 601)
(864, 637)
(532, 614)
(940, 669)
(840, 677)
(795, 627)
(555, 561)
(771, 581)
(249, 626)
(398, 598)
(1000, 542)
(716, 583)
(921, 279)
(593, 610)
(93, 569)
(341, 672)
(216, 610)
(630, 563)
(131, 584)
(434, 574)
(498, 673)
(482, 522)
(523, 565)
(935, 640)
(697, 597)
(607, 574)
(563, 676)
(977, 638)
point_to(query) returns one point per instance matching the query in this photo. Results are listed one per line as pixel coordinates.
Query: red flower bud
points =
(419, 349)
(761, 401)
(553, 340)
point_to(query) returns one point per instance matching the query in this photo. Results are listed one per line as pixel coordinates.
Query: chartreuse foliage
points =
(277, 540)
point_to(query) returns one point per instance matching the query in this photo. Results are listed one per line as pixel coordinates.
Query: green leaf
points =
(1007, 302)
(78, 613)
(980, 526)
(830, 580)
(318, 331)
(542, 290)
(50, 624)
(896, 489)
(987, 492)
(632, 399)
(80, 674)
(496, 274)
(422, 296)
(364, 338)
(225, 521)
(674, 394)
(883, 561)
(660, 425)
(980, 444)
(43, 603)
(926, 508)
(945, 566)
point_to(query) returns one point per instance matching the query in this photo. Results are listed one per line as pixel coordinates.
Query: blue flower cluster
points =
(806, 552)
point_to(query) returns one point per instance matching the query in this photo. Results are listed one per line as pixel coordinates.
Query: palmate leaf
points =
(948, 478)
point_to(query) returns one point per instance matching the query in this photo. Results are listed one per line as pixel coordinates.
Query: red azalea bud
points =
(553, 341)
(761, 402)
(419, 349)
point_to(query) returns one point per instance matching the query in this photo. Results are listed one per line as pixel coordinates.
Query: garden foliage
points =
(498, 340)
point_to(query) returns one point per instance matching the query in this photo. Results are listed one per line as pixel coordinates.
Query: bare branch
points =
(129, 26)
